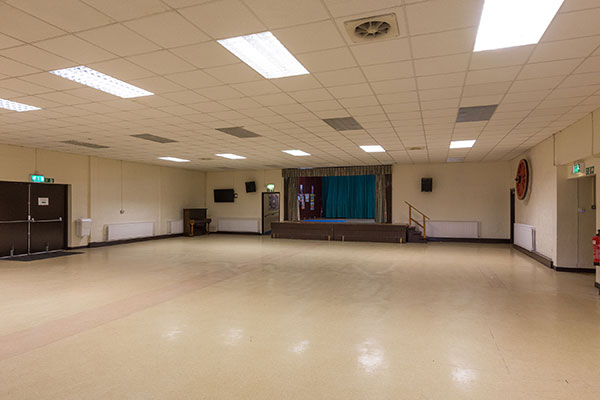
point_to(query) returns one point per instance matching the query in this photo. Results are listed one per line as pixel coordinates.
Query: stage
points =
(340, 229)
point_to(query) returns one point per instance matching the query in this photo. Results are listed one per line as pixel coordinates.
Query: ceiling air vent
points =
(154, 138)
(205, 159)
(238, 132)
(372, 28)
(477, 113)
(417, 148)
(85, 144)
(456, 159)
(343, 124)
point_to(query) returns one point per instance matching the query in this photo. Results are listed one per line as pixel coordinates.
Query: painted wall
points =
(247, 205)
(100, 188)
(540, 205)
(461, 192)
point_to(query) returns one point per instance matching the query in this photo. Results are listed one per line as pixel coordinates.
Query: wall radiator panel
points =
(130, 230)
(453, 229)
(176, 226)
(238, 225)
(525, 236)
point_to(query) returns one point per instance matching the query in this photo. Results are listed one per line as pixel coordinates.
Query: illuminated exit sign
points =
(37, 178)
(578, 168)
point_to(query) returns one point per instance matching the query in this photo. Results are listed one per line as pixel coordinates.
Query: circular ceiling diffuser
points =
(372, 29)
(522, 179)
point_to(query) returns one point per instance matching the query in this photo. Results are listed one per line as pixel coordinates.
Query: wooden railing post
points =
(409, 216)
(424, 228)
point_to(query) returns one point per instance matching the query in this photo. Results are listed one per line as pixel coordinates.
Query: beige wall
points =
(100, 188)
(461, 192)
(247, 205)
(540, 205)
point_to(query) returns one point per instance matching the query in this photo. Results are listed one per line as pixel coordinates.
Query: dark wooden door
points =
(14, 216)
(512, 215)
(48, 216)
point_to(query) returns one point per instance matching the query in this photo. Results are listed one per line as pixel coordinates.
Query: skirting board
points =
(125, 241)
(597, 285)
(536, 256)
(567, 269)
(469, 240)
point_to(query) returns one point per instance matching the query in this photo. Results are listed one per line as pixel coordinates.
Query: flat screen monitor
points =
(224, 196)
(250, 187)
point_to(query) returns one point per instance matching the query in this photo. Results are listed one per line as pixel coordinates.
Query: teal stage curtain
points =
(349, 196)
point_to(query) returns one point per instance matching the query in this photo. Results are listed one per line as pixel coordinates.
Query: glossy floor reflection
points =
(245, 317)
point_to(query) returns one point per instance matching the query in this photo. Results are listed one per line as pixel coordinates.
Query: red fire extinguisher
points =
(596, 246)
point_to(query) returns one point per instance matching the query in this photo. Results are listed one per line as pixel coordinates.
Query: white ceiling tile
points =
(501, 57)
(327, 60)
(296, 82)
(396, 85)
(168, 29)
(16, 23)
(444, 43)
(440, 94)
(220, 93)
(223, 19)
(311, 95)
(71, 15)
(281, 13)
(310, 37)
(234, 73)
(121, 69)
(118, 39)
(442, 15)
(492, 75)
(256, 88)
(563, 49)
(382, 52)
(193, 79)
(13, 68)
(51, 81)
(129, 9)
(35, 57)
(7, 41)
(75, 49)
(157, 84)
(549, 68)
(340, 8)
(441, 81)
(573, 25)
(161, 62)
(381, 72)
(341, 77)
(206, 55)
(592, 64)
(486, 89)
(441, 65)
(528, 85)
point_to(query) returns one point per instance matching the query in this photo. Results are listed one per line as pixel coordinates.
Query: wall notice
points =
(43, 201)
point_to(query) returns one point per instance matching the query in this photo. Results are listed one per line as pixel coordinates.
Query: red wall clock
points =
(522, 179)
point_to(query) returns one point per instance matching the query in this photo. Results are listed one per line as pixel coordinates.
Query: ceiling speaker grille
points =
(343, 124)
(85, 144)
(238, 132)
(372, 28)
(154, 138)
(477, 113)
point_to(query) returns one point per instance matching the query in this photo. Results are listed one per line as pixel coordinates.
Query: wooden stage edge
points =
(342, 231)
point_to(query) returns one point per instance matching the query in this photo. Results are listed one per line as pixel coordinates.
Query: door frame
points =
(512, 215)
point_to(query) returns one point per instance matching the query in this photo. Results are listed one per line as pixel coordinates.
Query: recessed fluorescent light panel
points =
(373, 149)
(14, 106)
(265, 54)
(462, 144)
(174, 159)
(510, 23)
(297, 153)
(231, 156)
(98, 80)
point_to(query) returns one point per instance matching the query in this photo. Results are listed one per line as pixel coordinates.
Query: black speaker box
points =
(250, 187)
(426, 184)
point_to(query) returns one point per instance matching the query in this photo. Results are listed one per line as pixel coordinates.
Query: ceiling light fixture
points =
(98, 80)
(373, 149)
(510, 23)
(296, 153)
(265, 54)
(462, 144)
(174, 159)
(18, 107)
(231, 156)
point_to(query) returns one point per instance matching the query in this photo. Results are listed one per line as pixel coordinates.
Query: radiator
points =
(176, 226)
(130, 230)
(238, 225)
(453, 229)
(525, 236)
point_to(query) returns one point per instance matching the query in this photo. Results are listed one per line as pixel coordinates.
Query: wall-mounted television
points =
(224, 196)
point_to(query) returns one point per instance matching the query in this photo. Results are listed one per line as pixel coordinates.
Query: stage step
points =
(414, 236)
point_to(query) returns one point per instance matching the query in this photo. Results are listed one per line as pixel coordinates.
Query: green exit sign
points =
(37, 178)
(577, 168)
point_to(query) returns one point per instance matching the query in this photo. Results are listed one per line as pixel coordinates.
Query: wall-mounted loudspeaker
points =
(426, 184)
(250, 187)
